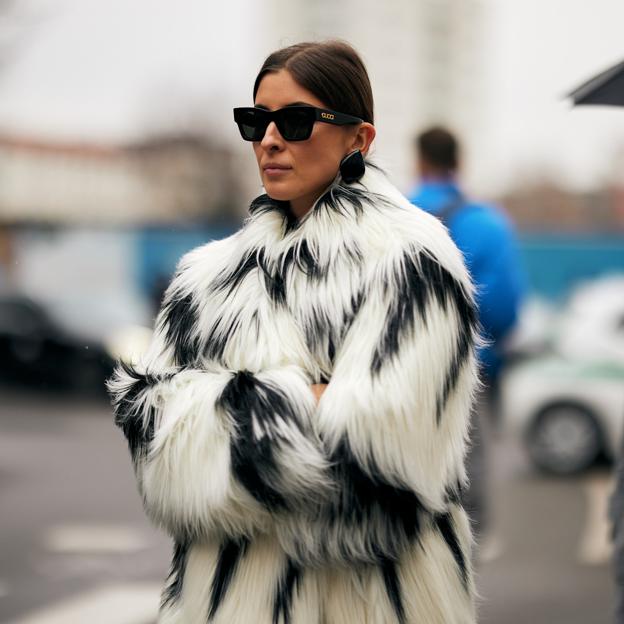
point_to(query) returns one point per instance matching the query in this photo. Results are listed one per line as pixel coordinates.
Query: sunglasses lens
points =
(252, 124)
(296, 124)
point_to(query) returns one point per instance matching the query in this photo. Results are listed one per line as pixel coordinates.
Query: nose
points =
(272, 139)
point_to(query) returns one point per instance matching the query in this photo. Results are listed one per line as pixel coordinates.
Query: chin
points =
(278, 191)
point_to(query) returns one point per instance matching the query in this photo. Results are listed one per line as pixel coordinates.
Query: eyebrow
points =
(263, 107)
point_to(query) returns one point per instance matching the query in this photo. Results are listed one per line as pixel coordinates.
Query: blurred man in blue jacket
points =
(487, 241)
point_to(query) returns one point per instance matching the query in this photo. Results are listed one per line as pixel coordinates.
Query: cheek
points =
(257, 151)
(318, 163)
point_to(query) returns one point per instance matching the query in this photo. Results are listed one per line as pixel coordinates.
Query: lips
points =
(275, 167)
(275, 170)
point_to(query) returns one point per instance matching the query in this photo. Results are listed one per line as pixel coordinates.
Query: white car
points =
(566, 412)
(567, 405)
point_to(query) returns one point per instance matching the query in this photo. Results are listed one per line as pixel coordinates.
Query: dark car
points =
(36, 351)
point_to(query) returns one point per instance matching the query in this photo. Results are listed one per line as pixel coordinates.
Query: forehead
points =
(279, 89)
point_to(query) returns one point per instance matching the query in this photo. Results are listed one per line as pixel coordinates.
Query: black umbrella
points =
(606, 88)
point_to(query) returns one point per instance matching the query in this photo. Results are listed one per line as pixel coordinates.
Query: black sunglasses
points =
(295, 123)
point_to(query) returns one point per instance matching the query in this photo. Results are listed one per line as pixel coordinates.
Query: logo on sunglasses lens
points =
(327, 116)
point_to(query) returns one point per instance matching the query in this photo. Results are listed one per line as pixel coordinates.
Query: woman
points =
(299, 423)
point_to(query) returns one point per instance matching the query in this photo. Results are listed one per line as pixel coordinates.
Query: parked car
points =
(566, 412)
(567, 403)
(35, 350)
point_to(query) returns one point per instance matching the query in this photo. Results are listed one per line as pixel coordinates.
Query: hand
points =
(318, 390)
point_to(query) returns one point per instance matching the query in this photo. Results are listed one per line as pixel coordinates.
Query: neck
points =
(438, 178)
(300, 209)
(302, 205)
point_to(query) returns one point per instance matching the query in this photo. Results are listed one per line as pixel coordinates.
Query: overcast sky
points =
(540, 50)
(103, 68)
(107, 69)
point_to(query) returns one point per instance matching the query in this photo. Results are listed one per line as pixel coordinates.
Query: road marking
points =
(118, 604)
(93, 538)
(595, 547)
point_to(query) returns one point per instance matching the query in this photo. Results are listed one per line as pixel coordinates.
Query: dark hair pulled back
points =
(332, 70)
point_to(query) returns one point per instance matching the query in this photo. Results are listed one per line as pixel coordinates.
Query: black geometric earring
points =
(352, 167)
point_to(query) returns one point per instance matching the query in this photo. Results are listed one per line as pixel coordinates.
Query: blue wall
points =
(556, 262)
(160, 249)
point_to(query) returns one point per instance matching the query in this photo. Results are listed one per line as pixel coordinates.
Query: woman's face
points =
(308, 166)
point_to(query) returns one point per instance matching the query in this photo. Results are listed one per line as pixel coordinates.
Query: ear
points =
(363, 138)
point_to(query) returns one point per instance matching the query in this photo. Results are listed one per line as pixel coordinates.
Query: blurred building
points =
(567, 237)
(548, 207)
(168, 179)
(94, 231)
(425, 58)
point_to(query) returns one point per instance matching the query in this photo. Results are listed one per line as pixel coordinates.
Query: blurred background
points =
(118, 153)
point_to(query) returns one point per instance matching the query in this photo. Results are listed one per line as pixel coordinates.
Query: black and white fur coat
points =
(283, 511)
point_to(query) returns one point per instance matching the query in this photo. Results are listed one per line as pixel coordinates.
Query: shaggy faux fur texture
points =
(282, 510)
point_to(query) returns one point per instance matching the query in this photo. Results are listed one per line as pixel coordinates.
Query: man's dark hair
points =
(439, 148)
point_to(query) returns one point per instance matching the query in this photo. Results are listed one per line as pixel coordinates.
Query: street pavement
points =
(75, 546)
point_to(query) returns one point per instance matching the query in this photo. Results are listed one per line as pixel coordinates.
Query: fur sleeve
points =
(214, 450)
(402, 387)
(395, 415)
